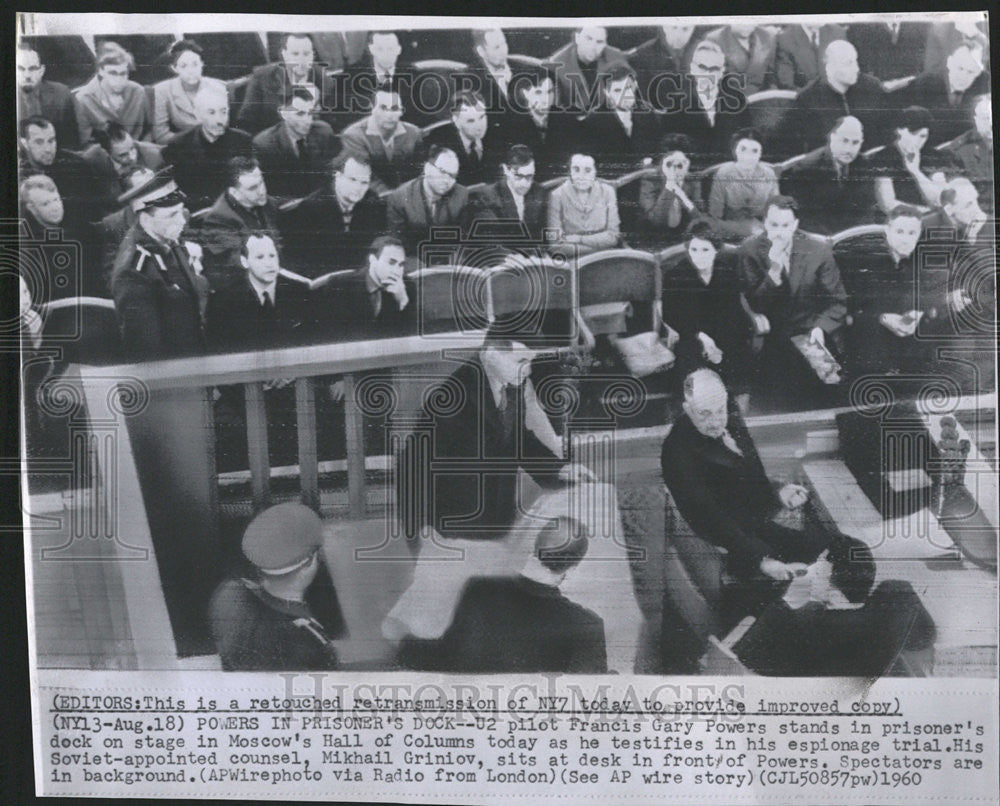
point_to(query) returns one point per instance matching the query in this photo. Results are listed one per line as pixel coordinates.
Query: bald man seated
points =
(521, 623)
(712, 469)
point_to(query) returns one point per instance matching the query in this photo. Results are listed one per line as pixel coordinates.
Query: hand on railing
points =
(336, 390)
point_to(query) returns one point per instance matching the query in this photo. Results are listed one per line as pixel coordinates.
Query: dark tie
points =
(508, 410)
(266, 302)
(303, 148)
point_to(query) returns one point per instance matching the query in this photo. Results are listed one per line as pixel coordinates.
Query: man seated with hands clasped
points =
(711, 468)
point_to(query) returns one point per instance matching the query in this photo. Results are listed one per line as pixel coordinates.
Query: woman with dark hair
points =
(741, 188)
(583, 211)
(701, 301)
(173, 99)
(671, 200)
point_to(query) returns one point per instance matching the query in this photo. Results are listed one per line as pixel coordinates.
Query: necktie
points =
(266, 302)
(303, 149)
(730, 443)
(477, 149)
(508, 409)
(674, 214)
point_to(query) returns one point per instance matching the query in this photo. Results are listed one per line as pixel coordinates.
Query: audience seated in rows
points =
(295, 153)
(200, 155)
(379, 68)
(39, 97)
(173, 99)
(583, 211)
(667, 54)
(111, 97)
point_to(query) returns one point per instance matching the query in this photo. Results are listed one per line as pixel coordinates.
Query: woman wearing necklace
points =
(701, 301)
(583, 211)
(741, 188)
(173, 99)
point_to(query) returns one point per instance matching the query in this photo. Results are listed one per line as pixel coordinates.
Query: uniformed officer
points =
(267, 623)
(159, 293)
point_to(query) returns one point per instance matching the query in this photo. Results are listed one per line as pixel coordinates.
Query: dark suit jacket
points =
(496, 203)
(818, 106)
(200, 166)
(111, 231)
(877, 285)
(472, 170)
(471, 431)
(264, 95)
(110, 186)
(725, 498)
(223, 231)
(883, 58)
(348, 312)
(387, 173)
(930, 90)
(815, 293)
(159, 318)
(975, 157)
(513, 625)
(55, 103)
(709, 141)
(796, 60)
(551, 147)
(572, 91)
(355, 91)
(828, 204)
(616, 152)
(237, 322)
(408, 217)
(74, 180)
(288, 175)
(318, 241)
(757, 66)
(813, 641)
(654, 59)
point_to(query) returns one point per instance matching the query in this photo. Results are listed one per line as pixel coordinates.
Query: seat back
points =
(451, 298)
(768, 112)
(618, 275)
(434, 84)
(84, 329)
(150, 52)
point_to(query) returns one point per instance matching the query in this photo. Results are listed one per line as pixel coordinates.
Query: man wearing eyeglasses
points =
(431, 201)
(393, 146)
(37, 97)
(708, 108)
(294, 153)
(516, 202)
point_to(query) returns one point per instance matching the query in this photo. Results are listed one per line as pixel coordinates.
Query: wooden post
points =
(354, 427)
(257, 451)
(305, 414)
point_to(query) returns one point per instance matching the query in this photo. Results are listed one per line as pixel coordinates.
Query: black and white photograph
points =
(618, 351)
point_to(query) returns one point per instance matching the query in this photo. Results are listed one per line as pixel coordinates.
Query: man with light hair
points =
(711, 468)
(842, 89)
(200, 155)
